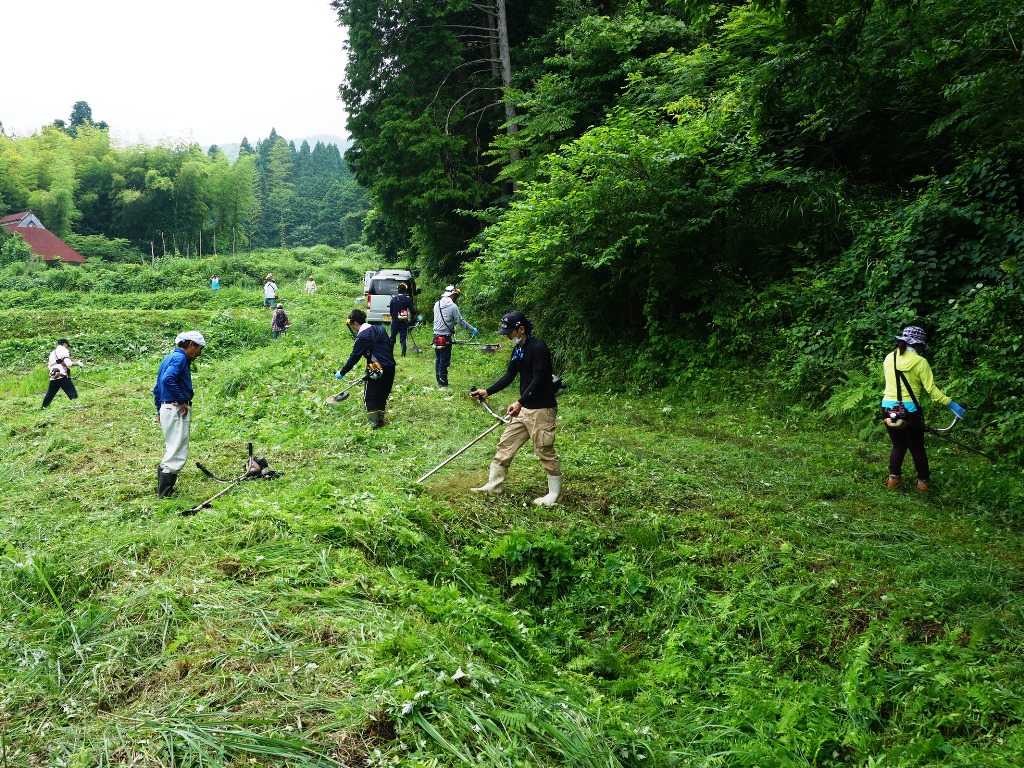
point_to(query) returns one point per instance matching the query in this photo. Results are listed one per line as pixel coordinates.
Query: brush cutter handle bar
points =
(461, 451)
(935, 431)
(502, 419)
(483, 402)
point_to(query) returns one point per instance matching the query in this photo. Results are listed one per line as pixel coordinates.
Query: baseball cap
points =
(510, 321)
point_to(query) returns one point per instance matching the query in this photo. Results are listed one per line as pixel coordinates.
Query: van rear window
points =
(381, 287)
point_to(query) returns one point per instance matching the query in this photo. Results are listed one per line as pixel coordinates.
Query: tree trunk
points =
(506, 79)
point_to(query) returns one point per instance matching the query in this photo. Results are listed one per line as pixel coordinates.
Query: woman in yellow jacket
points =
(907, 431)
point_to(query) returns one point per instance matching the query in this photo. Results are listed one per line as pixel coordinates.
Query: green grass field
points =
(724, 584)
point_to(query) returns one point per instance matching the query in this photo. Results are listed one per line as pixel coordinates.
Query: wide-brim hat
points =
(912, 335)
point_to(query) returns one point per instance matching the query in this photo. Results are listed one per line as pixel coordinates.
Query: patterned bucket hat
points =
(913, 335)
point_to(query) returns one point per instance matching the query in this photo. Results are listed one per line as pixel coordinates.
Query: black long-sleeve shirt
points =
(532, 363)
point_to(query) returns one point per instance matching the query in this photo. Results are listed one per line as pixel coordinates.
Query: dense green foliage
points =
(180, 200)
(767, 186)
(723, 585)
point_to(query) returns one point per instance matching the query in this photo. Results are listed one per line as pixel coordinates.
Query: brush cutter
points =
(412, 340)
(487, 348)
(85, 381)
(502, 420)
(345, 394)
(256, 467)
(944, 434)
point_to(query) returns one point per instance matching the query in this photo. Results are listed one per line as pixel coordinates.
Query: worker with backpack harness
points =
(906, 373)
(446, 318)
(373, 344)
(401, 311)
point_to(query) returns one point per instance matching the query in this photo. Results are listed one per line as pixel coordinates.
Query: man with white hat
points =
(172, 396)
(446, 318)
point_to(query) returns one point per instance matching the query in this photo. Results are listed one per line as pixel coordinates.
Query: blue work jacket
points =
(173, 379)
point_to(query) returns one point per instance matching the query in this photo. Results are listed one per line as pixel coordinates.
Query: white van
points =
(380, 286)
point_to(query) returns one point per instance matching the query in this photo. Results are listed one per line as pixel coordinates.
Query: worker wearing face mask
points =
(532, 416)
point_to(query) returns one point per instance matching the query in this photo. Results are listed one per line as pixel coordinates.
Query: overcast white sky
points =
(210, 71)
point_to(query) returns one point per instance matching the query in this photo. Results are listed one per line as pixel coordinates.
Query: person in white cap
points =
(446, 318)
(269, 292)
(172, 397)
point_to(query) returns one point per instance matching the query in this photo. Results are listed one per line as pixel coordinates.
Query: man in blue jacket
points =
(172, 397)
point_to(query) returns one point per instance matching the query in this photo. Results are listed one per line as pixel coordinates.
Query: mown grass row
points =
(723, 585)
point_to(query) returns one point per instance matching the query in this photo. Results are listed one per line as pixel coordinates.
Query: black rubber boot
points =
(167, 480)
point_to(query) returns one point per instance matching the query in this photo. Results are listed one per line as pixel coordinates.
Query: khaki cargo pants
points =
(538, 425)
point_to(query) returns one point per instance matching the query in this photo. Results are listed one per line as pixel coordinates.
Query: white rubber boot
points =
(554, 492)
(495, 481)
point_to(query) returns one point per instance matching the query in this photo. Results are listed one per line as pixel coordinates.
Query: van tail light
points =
(367, 302)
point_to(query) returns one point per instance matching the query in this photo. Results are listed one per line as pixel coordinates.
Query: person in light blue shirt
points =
(214, 283)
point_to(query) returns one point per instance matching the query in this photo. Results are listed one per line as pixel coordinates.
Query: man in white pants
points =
(172, 396)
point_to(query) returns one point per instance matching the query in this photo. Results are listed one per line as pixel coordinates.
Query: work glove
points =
(957, 409)
(474, 331)
(80, 364)
(338, 374)
(419, 318)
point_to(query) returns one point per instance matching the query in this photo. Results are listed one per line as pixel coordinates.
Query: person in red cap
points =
(532, 415)
(907, 374)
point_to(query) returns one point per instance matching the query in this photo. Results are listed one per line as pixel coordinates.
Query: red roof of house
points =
(43, 242)
(13, 218)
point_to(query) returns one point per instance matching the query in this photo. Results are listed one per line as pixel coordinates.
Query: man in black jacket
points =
(533, 414)
(373, 344)
(401, 311)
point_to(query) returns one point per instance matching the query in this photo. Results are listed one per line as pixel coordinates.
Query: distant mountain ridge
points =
(231, 150)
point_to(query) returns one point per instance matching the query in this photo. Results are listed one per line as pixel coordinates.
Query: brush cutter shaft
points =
(209, 502)
(360, 380)
(461, 450)
(992, 459)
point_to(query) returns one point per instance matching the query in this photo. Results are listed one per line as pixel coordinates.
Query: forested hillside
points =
(676, 188)
(180, 200)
